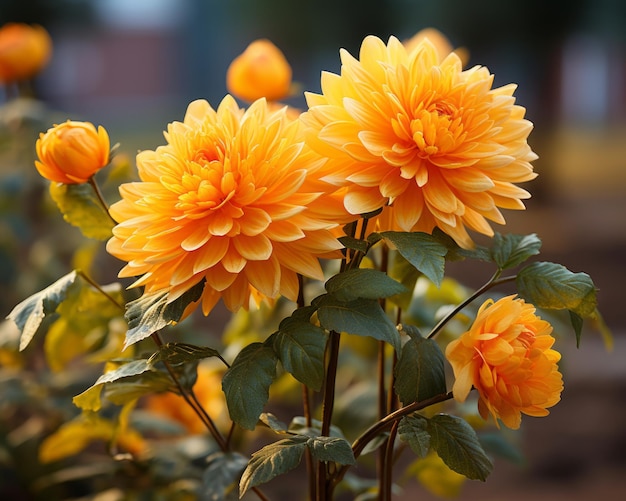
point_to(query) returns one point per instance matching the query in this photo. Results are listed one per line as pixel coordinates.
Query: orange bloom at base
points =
(507, 356)
(412, 130)
(72, 152)
(24, 51)
(233, 200)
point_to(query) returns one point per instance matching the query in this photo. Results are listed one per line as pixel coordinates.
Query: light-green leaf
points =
(457, 444)
(328, 449)
(222, 472)
(152, 312)
(422, 250)
(246, 384)
(413, 430)
(81, 208)
(29, 314)
(508, 251)
(363, 317)
(362, 283)
(272, 460)
(300, 347)
(420, 372)
(552, 286)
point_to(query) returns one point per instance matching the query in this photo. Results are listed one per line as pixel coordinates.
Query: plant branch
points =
(96, 189)
(99, 288)
(493, 282)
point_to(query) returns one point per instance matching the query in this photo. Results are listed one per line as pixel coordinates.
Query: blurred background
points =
(133, 66)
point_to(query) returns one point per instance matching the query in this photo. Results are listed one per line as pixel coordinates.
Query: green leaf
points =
(413, 430)
(508, 251)
(130, 388)
(152, 312)
(420, 372)
(90, 398)
(271, 461)
(362, 283)
(222, 472)
(246, 384)
(272, 422)
(552, 286)
(299, 426)
(457, 253)
(405, 273)
(363, 317)
(354, 243)
(457, 444)
(29, 314)
(179, 353)
(328, 449)
(577, 324)
(300, 348)
(81, 208)
(422, 250)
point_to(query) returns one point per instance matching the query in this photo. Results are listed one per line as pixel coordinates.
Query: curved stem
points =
(494, 281)
(96, 189)
(386, 481)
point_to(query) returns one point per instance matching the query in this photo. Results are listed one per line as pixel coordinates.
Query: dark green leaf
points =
(354, 243)
(246, 384)
(552, 286)
(328, 449)
(404, 272)
(577, 324)
(375, 443)
(152, 312)
(222, 472)
(496, 445)
(363, 317)
(271, 461)
(29, 314)
(272, 422)
(81, 208)
(508, 251)
(420, 372)
(362, 283)
(179, 353)
(422, 250)
(413, 430)
(457, 444)
(457, 253)
(300, 347)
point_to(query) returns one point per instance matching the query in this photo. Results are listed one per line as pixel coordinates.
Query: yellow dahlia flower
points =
(72, 152)
(260, 71)
(507, 356)
(230, 199)
(410, 129)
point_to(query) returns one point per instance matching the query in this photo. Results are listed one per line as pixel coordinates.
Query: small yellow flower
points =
(72, 152)
(24, 51)
(413, 131)
(507, 356)
(260, 71)
(232, 199)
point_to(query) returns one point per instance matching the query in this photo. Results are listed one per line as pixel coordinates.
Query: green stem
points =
(96, 189)
(99, 288)
(493, 282)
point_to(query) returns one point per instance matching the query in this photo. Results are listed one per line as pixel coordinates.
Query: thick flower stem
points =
(386, 480)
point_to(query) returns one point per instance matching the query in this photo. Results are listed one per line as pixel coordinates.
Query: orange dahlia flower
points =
(24, 51)
(260, 71)
(507, 356)
(230, 199)
(72, 152)
(416, 131)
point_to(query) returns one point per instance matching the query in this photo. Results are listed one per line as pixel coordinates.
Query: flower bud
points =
(72, 152)
(260, 71)
(24, 51)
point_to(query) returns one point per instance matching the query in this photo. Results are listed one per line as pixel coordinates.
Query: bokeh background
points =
(134, 65)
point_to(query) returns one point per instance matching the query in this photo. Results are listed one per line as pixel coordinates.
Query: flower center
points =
(436, 130)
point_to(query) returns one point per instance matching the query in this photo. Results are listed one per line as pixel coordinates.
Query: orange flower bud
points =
(72, 152)
(24, 51)
(507, 356)
(260, 71)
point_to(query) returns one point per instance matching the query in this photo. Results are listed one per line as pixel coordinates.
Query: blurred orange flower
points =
(72, 152)
(440, 42)
(260, 71)
(24, 51)
(208, 391)
(413, 130)
(507, 356)
(225, 201)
